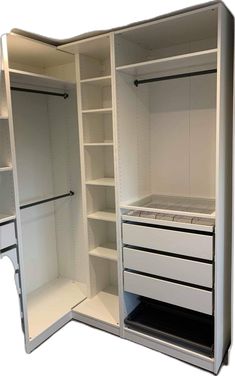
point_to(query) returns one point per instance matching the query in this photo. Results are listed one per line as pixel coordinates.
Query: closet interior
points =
(43, 94)
(166, 114)
(116, 167)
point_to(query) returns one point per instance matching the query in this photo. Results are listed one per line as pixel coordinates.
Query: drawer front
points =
(7, 235)
(169, 292)
(179, 242)
(198, 273)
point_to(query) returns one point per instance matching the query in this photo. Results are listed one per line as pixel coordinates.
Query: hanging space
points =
(166, 111)
(43, 94)
(95, 110)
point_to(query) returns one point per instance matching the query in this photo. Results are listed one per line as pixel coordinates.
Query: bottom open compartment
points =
(180, 326)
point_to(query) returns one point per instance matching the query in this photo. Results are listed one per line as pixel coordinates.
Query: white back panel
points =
(35, 177)
(183, 136)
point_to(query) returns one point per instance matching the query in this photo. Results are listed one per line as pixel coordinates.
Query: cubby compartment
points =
(36, 61)
(97, 128)
(186, 34)
(102, 239)
(96, 96)
(103, 305)
(94, 57)
(172, 324)
(99, 163)
(101, 203)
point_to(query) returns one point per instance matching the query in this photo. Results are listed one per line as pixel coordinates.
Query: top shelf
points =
(191, 60)
(29, 78)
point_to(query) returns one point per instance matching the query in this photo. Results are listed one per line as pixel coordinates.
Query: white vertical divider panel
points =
(16, 190)
(222, 299)
(84, 242)
(117, 184)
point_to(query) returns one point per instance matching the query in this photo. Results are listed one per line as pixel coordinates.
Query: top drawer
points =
(178, 242)
(7, 235)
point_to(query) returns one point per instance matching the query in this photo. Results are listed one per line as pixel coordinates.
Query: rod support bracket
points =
(136, 83)
(66, 95)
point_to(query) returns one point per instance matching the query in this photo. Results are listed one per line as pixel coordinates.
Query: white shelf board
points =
(97, 47)
(6, 169)
(29, 78)
(106, 251)
(52, 301)
(174, 205)
(97, 81)
(106, 182)
(103, 307)
(107, 110)
(105, 215)
(6, 217)
(3, 117)
(190, 60)
(98, 144)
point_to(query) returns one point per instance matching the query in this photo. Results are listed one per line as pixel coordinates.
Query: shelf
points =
(52, 301)
(174, 205)
(98, 144)
(106, 251)
(6, 217)
(195, 59)
(106, 215)
(98, 81)
(6, 169)
(98, 111)
(23, 77)
(106, 182)
(103, 307)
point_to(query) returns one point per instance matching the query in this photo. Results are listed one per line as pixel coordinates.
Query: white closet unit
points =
(115, 175)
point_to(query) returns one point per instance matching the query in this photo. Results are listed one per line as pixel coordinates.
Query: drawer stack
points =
(170, 265)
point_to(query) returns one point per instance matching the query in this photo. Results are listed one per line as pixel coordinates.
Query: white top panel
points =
(194, 59)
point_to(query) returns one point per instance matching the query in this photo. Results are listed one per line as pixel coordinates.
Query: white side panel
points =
(133, 138)
(223, 186)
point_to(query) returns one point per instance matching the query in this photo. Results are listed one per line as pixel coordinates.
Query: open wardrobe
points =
(116, 181)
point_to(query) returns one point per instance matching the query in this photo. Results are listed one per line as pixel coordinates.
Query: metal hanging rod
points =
(71, 193)
(174, 76)
(64, 95)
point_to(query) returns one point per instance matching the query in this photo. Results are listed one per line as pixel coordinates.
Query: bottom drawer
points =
(169, 292)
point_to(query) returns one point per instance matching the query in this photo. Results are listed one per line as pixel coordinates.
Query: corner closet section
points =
(166, 75)
(48, 169)
(95, 109)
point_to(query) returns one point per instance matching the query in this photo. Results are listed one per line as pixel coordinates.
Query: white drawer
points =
(169, 292)
(179, 242)
(7, 235)
(198, 273)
